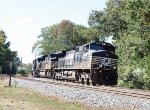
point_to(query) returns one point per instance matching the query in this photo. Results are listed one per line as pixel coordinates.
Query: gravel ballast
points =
(90, 98)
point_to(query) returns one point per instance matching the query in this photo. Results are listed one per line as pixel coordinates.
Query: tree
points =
(97, 22)
(49, 42)
(134, 44)
(62, 36)
(0, 70)
(2, 37)
(6, 55)
(127, 21)
(110, 21)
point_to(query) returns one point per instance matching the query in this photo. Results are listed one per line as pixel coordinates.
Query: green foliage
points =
(48, 42)
(132, 78)
(0, 69)
(61, 36)
(145, 63)
(29, 68)
(3, 37)
(6, 55)
(23, 72)
(97, 21)
(134, 46)
(128, 22)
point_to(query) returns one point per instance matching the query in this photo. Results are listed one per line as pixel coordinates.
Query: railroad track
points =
(112, 90)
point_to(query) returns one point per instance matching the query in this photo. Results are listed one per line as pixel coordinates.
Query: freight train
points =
(95, 63)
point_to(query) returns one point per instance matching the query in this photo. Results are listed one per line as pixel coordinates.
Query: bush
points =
(0, 70)
(23, 72)
(132, 78)
(147, 81)
(121, 83)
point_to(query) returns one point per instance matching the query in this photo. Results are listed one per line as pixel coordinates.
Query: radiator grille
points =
(104, 61)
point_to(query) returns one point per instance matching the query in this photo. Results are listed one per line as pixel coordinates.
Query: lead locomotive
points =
(94, 62)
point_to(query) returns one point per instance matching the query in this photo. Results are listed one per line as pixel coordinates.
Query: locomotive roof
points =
(42, 58)
(99, 42)
(63, 53)
(58, 54)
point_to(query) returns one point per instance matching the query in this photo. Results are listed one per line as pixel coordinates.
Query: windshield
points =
(102, 47)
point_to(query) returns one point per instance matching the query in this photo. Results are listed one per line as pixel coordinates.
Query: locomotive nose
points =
(104, 59)
(105, 54)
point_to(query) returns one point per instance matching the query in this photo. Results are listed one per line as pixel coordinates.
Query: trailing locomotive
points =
(94, 62)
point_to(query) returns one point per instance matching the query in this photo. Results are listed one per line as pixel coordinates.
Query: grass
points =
(12, 98)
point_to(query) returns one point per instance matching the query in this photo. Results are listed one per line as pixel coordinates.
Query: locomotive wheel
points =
(94, 83)
(77, 76)
(94, 79)
(87, 81)
(82, 80)
(53, 76)
(38, 76)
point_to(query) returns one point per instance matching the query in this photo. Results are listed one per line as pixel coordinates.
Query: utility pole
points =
(10, 72)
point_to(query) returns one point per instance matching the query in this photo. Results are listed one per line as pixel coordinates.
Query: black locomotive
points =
(94, 62)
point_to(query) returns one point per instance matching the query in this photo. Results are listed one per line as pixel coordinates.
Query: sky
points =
(22, 20)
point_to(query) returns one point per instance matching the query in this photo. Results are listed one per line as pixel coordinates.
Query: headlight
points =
(114, 67)
(100, 66)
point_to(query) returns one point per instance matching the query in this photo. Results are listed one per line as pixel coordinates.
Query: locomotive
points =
(94, 62)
